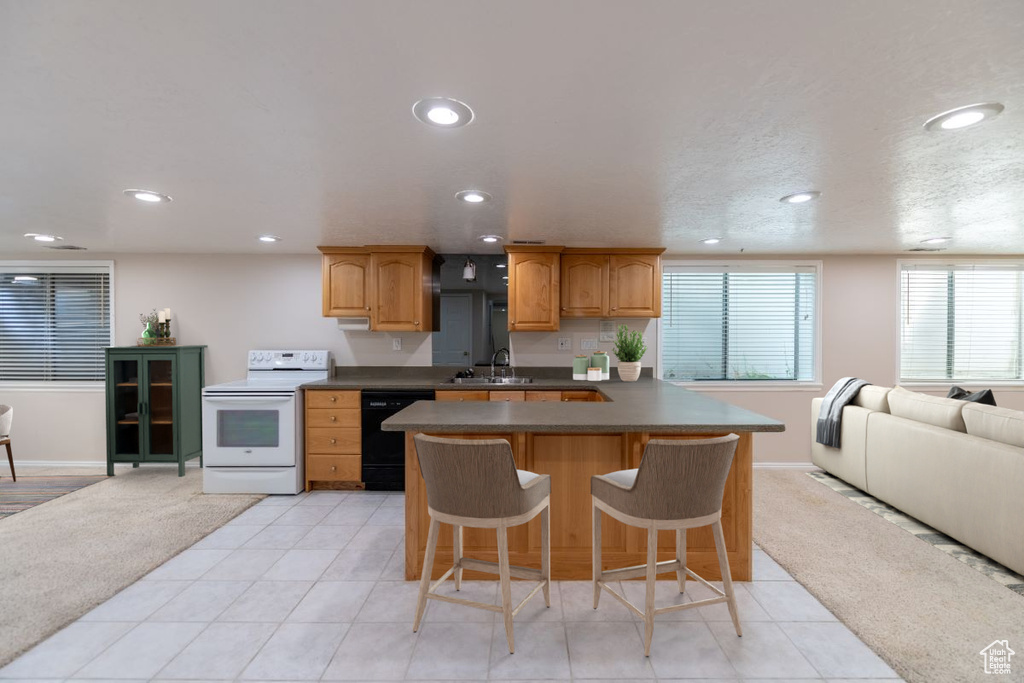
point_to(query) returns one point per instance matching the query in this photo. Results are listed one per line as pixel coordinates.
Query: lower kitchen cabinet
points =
(333, 439)
(154, 408)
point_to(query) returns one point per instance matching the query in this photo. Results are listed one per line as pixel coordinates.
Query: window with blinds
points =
(739, 322)
(961, 321)
(55, 321)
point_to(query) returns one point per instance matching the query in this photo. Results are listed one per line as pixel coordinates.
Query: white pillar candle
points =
(167, 313)
(160, 317)
(594, 374)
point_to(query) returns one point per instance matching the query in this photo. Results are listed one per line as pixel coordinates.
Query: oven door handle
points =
(248, 399)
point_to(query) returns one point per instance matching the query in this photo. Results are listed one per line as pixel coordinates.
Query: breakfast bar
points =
(571, 441)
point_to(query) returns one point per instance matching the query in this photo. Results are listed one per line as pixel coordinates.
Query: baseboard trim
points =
(786, 465)
(83, 463)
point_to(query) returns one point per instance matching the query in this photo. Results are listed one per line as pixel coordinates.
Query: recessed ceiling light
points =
(43, 238)
(490, 239)
(935, 240)
(442, 112)
(473, 196)
(711, 240)
(148, 196)
(962, 117)
(25, 278)
(800, 197)
(269, 238)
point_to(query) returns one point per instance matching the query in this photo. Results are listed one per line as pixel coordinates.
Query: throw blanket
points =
(830, 417)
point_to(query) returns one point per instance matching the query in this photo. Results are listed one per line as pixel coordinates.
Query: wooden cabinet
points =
(333, 439)
(396, 287)
(508, 396)
(154, 407)
(461, 395)
(543, 396)
(533, 288)
(584, 285)
(634, 286)
(346, 282)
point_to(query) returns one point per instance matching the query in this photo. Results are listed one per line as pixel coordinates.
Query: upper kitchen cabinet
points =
(405, 284)
(607, 283)
(396, 287)
(584, 285)
(634, 284)
(346, 282)
(533, 288)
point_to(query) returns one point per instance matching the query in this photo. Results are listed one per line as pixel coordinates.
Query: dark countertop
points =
(647, 405)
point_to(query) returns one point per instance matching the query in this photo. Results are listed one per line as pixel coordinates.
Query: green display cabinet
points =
(154, 406)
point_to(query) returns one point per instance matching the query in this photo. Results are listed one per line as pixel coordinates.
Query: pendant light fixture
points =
(469, 270)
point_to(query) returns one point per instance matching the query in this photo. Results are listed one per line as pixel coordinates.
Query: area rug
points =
(972, 558)
(27, 492)
(926, 614)
(61, 559)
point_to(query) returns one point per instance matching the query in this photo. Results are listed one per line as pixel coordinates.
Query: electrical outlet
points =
(588, 344)
(564, 344)
(396, 344)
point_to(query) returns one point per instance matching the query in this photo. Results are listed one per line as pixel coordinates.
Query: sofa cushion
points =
(873, 398)
(933, 410)
(996, 424)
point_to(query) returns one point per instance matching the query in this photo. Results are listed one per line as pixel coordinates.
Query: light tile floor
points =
(311, 587)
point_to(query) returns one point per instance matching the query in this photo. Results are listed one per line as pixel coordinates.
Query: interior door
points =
(159, 414)
(453, 345)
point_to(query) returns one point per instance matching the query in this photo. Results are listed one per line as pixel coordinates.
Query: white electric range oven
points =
(253, 428)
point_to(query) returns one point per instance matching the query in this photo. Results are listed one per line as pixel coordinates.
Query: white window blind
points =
(55, 321)
(961, 322)
(739, 322)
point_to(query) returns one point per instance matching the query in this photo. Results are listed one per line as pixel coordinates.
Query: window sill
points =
(63, 387)
(1001, 385)
(751, 385)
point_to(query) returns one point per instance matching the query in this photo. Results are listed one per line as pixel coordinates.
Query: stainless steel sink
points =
(491, 380)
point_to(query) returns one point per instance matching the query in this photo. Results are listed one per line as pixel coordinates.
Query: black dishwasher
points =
(384, 452)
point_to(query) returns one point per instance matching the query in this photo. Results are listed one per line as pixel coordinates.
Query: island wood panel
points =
(571, 459)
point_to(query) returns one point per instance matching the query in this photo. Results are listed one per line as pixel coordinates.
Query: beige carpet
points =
(922, 611)
(60, 559)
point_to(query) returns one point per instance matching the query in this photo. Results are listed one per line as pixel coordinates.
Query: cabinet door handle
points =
(334, 468)
(334, 441)
(333, 399)
(462, 399)
(416, 323)
(614, 308)
(334, 418)
(367, 308)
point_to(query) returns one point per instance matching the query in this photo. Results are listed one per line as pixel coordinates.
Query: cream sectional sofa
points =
(956, 466)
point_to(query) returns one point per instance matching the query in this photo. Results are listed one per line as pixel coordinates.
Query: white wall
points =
(235, 303)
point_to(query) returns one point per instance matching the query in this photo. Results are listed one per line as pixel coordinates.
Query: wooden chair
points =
(475, 483)
(6, 416)
(679, 485)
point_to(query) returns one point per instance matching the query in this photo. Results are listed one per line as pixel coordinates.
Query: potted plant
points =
(629, 349)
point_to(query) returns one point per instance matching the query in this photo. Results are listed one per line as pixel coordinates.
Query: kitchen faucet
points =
(508, 362)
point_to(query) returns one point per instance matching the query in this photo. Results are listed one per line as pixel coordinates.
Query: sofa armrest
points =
(848, 462)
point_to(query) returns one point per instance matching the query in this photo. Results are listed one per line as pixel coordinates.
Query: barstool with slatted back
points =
(679, 485)
(475, 483)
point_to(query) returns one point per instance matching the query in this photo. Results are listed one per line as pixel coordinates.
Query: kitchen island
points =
(571, 441)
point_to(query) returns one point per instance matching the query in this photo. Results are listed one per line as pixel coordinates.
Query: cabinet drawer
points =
(333, 417)
(461, 396)
(581, 396)
(332, 399)
(334, 467)
(508, 396)
(332, 441)
(543, 395)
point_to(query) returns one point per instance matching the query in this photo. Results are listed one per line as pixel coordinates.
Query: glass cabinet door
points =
(160, 405)
(127, 429)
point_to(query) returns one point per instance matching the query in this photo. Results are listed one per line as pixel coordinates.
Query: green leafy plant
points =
(147, 318)
(629, 346)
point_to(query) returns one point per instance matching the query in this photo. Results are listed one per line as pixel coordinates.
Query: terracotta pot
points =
(629, 372)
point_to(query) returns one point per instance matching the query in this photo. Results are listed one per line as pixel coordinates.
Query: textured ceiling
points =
(598, 124)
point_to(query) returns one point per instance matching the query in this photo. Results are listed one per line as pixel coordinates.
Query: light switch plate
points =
(564, 344)
(588, 344)
(396, 344)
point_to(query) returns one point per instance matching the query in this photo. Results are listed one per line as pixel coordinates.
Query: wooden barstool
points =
(475, 483)
(6, 415)
(679, 485)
